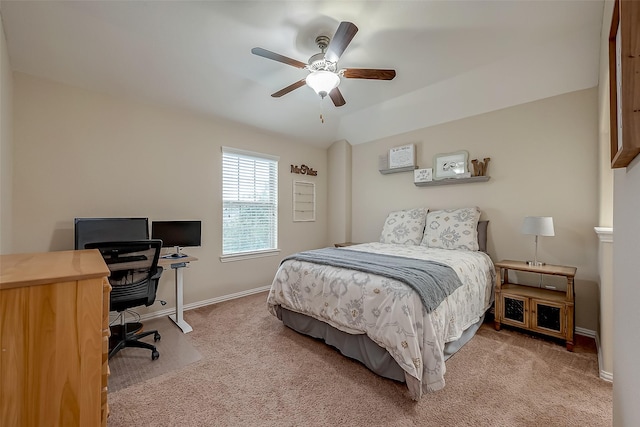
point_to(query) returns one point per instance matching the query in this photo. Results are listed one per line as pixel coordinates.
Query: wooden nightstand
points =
(540, 310)
(343, 244)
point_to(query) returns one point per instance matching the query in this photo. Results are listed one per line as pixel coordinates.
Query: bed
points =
(365, 301)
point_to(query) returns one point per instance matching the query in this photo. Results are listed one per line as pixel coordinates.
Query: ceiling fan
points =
(324, 75)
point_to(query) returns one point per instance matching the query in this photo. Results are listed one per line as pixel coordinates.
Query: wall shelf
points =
(448, 181)
(396, 170)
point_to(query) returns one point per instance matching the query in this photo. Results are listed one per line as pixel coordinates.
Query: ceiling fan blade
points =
(341, 39)
(369, 73)
(289, 88)
(336, 97)
(277, 57)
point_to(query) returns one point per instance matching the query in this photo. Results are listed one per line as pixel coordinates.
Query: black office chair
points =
(134, 281)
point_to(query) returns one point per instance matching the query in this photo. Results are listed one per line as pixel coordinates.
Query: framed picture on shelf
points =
(450, 165)
(423, 175)
(402, 157)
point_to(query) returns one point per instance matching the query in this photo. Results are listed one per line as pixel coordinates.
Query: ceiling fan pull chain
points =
(321, 117)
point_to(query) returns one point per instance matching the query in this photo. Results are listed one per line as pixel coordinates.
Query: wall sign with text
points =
(304, 170)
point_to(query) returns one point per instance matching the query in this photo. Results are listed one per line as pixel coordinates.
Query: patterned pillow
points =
(452, 229)
(404, 227)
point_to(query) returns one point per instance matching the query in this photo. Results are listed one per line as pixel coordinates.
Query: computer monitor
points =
(93, 230)
(177, 234)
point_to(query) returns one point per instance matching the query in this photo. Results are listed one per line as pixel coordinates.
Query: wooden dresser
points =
(54, 339)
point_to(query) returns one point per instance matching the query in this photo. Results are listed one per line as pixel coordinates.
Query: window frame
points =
(251, 254)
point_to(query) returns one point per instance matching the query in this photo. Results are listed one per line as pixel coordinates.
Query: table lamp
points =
(538, 226)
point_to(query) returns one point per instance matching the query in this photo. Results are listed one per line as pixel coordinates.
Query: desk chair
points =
(134, 280)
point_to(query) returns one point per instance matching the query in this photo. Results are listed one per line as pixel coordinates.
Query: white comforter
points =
(389, 311)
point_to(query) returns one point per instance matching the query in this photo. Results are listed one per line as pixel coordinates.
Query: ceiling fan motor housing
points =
(317, 62)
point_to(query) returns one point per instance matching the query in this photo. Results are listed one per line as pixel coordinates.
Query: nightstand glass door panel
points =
(548, 317)
(515, 310)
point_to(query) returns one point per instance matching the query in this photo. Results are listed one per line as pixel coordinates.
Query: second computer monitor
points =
(178, 234)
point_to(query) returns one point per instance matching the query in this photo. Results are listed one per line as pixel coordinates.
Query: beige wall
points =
(626, 283)
(605, 173)
(544, 161)
(626, 295)
(84, 154)
(6, 146)
(339, 182)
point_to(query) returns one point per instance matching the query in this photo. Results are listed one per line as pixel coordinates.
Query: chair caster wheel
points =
(156, 337)
(155, 355)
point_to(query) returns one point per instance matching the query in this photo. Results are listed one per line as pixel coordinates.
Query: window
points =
(249, 202)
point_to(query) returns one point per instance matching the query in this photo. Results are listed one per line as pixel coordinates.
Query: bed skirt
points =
(360, 347)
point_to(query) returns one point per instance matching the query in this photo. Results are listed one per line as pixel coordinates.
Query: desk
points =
(178, 264)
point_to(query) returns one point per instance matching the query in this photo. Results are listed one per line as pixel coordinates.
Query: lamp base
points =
(535, 263)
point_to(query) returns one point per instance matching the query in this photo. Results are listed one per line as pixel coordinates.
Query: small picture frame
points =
(450, 165)
(423, 175)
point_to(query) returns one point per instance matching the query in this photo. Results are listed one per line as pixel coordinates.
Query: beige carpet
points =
(134, 365)
(256, 372)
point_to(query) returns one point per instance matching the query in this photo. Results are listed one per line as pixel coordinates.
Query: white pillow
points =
(452, 229)
(404, 227)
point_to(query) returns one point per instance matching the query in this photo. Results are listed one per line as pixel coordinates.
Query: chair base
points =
(130, 338)
(116, 332)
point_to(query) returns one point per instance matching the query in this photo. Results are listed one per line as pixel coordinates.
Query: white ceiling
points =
(453, 58)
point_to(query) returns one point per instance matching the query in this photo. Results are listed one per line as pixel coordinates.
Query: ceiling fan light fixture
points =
(322, 82)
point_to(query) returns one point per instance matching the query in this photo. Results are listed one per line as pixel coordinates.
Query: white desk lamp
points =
(538, 226)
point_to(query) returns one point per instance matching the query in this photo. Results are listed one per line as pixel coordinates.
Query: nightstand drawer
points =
(515, 310)
(548, 318)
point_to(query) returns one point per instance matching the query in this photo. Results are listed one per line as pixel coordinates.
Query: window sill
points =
(249, 255)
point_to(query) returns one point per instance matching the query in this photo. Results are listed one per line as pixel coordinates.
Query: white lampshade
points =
(538, 225)
(323, 82)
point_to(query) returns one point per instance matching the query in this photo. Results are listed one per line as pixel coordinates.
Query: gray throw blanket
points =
(432, 280)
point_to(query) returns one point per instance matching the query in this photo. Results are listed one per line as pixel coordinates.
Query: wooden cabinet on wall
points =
(54, 339)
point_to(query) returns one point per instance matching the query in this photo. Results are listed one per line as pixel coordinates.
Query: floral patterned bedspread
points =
(389, 311)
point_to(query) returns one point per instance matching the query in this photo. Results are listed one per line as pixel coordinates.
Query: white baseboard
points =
(604, 375)
(227, 298)
(607, 376)
(160, 313)
(172, 310)
(585, 332)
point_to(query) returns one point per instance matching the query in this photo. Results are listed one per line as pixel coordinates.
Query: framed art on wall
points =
(304, 201)
(624, 86)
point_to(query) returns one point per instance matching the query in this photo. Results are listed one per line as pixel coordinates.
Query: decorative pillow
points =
(452, 229)
(404, 227)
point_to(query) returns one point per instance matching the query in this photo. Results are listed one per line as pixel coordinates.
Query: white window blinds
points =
(249, 202)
